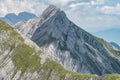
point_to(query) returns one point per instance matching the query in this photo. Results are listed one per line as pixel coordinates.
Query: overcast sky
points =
(92, 15)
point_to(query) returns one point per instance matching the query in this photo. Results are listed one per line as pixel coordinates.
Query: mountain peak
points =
(11, 15)
(52, 7)
(50, 11)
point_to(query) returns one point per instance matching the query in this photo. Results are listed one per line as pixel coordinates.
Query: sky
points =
(91, 15)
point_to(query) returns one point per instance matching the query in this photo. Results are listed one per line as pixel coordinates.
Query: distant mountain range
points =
(111, 35)
(12, 18)
(115, 45)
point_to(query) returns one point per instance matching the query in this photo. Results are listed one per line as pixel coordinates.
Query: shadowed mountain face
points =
(63, 41)
(12, 18)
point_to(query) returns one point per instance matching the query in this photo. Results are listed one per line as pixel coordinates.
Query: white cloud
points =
(88, 3)
(58, 3)
(62, 1)
(97, 2)
(81, 12)
(34, 6)
(16, 6)
(110, 9)
(90, 19)
(79, 4)
(95, 22)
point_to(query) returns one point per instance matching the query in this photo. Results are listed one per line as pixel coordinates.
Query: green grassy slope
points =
(110, 49)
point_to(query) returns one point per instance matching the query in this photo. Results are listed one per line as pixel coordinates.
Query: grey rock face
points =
(27, 27)
(71, 46)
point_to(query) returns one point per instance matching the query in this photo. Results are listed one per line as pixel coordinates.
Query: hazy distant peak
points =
(26, 14)
(12, 18)
(115, 45)
(10, 15)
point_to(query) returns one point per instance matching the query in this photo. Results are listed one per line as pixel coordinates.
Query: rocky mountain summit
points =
(74, 48)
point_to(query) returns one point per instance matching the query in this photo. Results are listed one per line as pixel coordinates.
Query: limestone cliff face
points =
(64, 42)
(20, 60)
